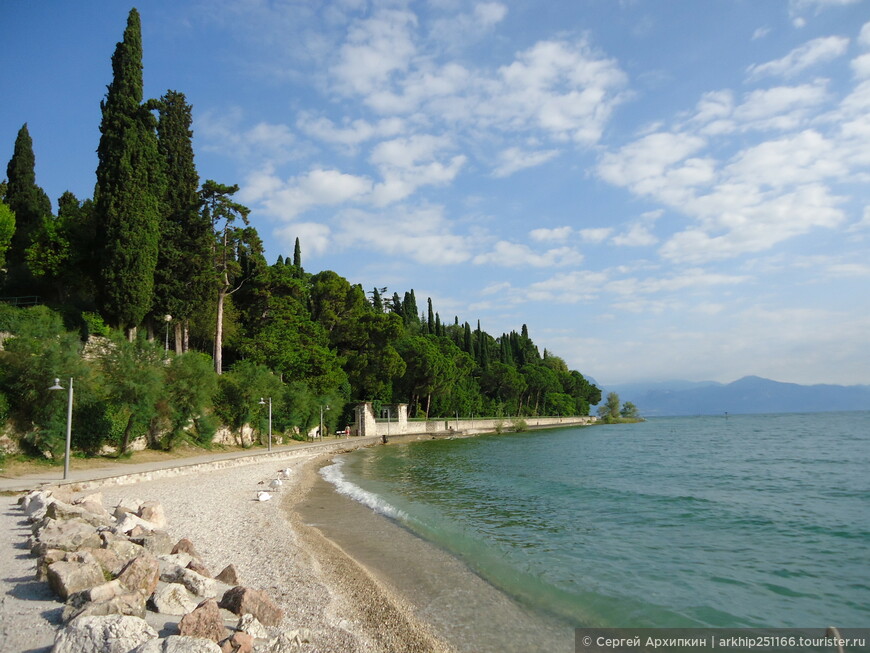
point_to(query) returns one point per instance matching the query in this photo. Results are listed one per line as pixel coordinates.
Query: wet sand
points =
(461, 609)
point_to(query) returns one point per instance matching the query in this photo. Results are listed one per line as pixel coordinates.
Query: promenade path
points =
(123, 473)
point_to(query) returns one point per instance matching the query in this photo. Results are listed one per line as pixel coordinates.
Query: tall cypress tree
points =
(297, 255)
(183, 280)
(129, 187)
(30, 205)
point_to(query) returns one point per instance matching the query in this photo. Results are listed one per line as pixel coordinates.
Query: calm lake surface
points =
(753, 520)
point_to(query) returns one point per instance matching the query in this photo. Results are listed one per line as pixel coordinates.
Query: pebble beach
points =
(319, 587)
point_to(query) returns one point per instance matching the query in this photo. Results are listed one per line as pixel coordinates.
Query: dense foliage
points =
(181, 258)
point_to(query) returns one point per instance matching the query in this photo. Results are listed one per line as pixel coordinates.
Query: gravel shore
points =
(320, 588)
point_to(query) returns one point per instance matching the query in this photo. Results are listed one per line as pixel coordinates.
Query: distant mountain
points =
(751, 394)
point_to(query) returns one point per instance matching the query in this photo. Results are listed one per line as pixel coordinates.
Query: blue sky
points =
(658, 189)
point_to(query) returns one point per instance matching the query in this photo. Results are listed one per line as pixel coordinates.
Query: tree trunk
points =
(179, 345)
(219, 334)
(125, 443)
(131, 333)
(186, 336)
(428, 403)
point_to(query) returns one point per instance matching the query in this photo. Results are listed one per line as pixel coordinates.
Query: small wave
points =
(333, 474)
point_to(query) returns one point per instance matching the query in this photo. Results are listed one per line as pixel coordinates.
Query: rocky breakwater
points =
(128, 588)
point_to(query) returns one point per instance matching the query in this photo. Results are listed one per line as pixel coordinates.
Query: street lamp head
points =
(262, 401)
(167, 318)
(57, 385)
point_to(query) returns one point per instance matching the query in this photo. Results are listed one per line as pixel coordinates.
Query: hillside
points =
(751, 394)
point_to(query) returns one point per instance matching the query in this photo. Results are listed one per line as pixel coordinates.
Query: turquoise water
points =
(760, 520)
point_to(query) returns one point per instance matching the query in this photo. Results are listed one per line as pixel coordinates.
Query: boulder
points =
(140, 575)
(198, 567)
(67, 578)
(238, 643)
(111, 562)
(194, 582)
(69, 535)
(173, 598)
(120, 545)
(205, 621)
(244, 600)
(186, 546)
(109, 634)
(229, 575)
(157, 542)
(129, 521)
(48, 558)
(62, 511)
(127, 506)
(289, 641)
(128, 603)
(178, 644)
(180, 559)
(248, 624)
(36, 503)
(152, 512)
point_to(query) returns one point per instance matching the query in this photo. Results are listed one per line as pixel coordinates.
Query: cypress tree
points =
(467, 344)
(377, 302)
(280, 260)
(430, 317)
(30, 205)
(129, 187)
(297, 255)
(183, 277)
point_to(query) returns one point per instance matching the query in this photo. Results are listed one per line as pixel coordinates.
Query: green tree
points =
(183, 278)
(297, 255)
(629, 411)
(237, 250)
(609, 411)
(7, 229)
(129, 186)
(191, 384)
(30, 205)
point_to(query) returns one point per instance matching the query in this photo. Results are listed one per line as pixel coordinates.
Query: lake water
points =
(756, 520)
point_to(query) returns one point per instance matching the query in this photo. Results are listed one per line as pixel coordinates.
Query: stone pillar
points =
(402, 418)
(365, 419)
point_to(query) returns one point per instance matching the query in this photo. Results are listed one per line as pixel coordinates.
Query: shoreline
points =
(463, 611)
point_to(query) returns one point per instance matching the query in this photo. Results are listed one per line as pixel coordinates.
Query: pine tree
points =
(183, 278)
(30, 205)
(129, 186)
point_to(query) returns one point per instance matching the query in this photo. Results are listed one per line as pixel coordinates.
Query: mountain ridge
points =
(747, 395)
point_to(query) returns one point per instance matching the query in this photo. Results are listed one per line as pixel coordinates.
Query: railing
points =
(27, 300)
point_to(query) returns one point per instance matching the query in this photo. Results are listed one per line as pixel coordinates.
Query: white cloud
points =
(864, 36)
(638, 235)
(514, 159)
(760, 33)
(555, 234)
(595, 235)
(314, 238)
(287, 199)
(811, 53)
(422, 234)
(462, 29)
(861, 66)
(508, 254)
(222, 132)
(375, 49)
(350, 133)
(406, 164)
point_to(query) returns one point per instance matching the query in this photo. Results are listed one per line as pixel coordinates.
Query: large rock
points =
(67, 578)
(62, 511)
(178, 644)
(173, 598)
(121, 546)
(69, 535)
(205, 621)
(111, 562)
(248, 624)
(47, 558)
(157, 542)
(141, 575)
(194, 582)
(110, 634)
(128, 603)
(127, 506)
(238, 643)
(129, 521)
(244, 600)
(198, 567)
(153, 512)
(36, 503)
(186, 546)
(229, 575)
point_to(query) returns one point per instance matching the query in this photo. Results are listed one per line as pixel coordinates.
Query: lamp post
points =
(322, 408)
(58, 386)
(167, 319)
(263, 403)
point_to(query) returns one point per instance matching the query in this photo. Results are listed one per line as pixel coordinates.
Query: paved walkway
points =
(174, 466)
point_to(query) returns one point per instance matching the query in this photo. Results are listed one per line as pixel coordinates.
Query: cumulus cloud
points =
(223, 132)
(314, 238)
(285, 199)
(558, 234)
(421, 234)
(514, 159)
(812, 53)
(595, 235)
(349, 133)
(406, 164)
(513, 255)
